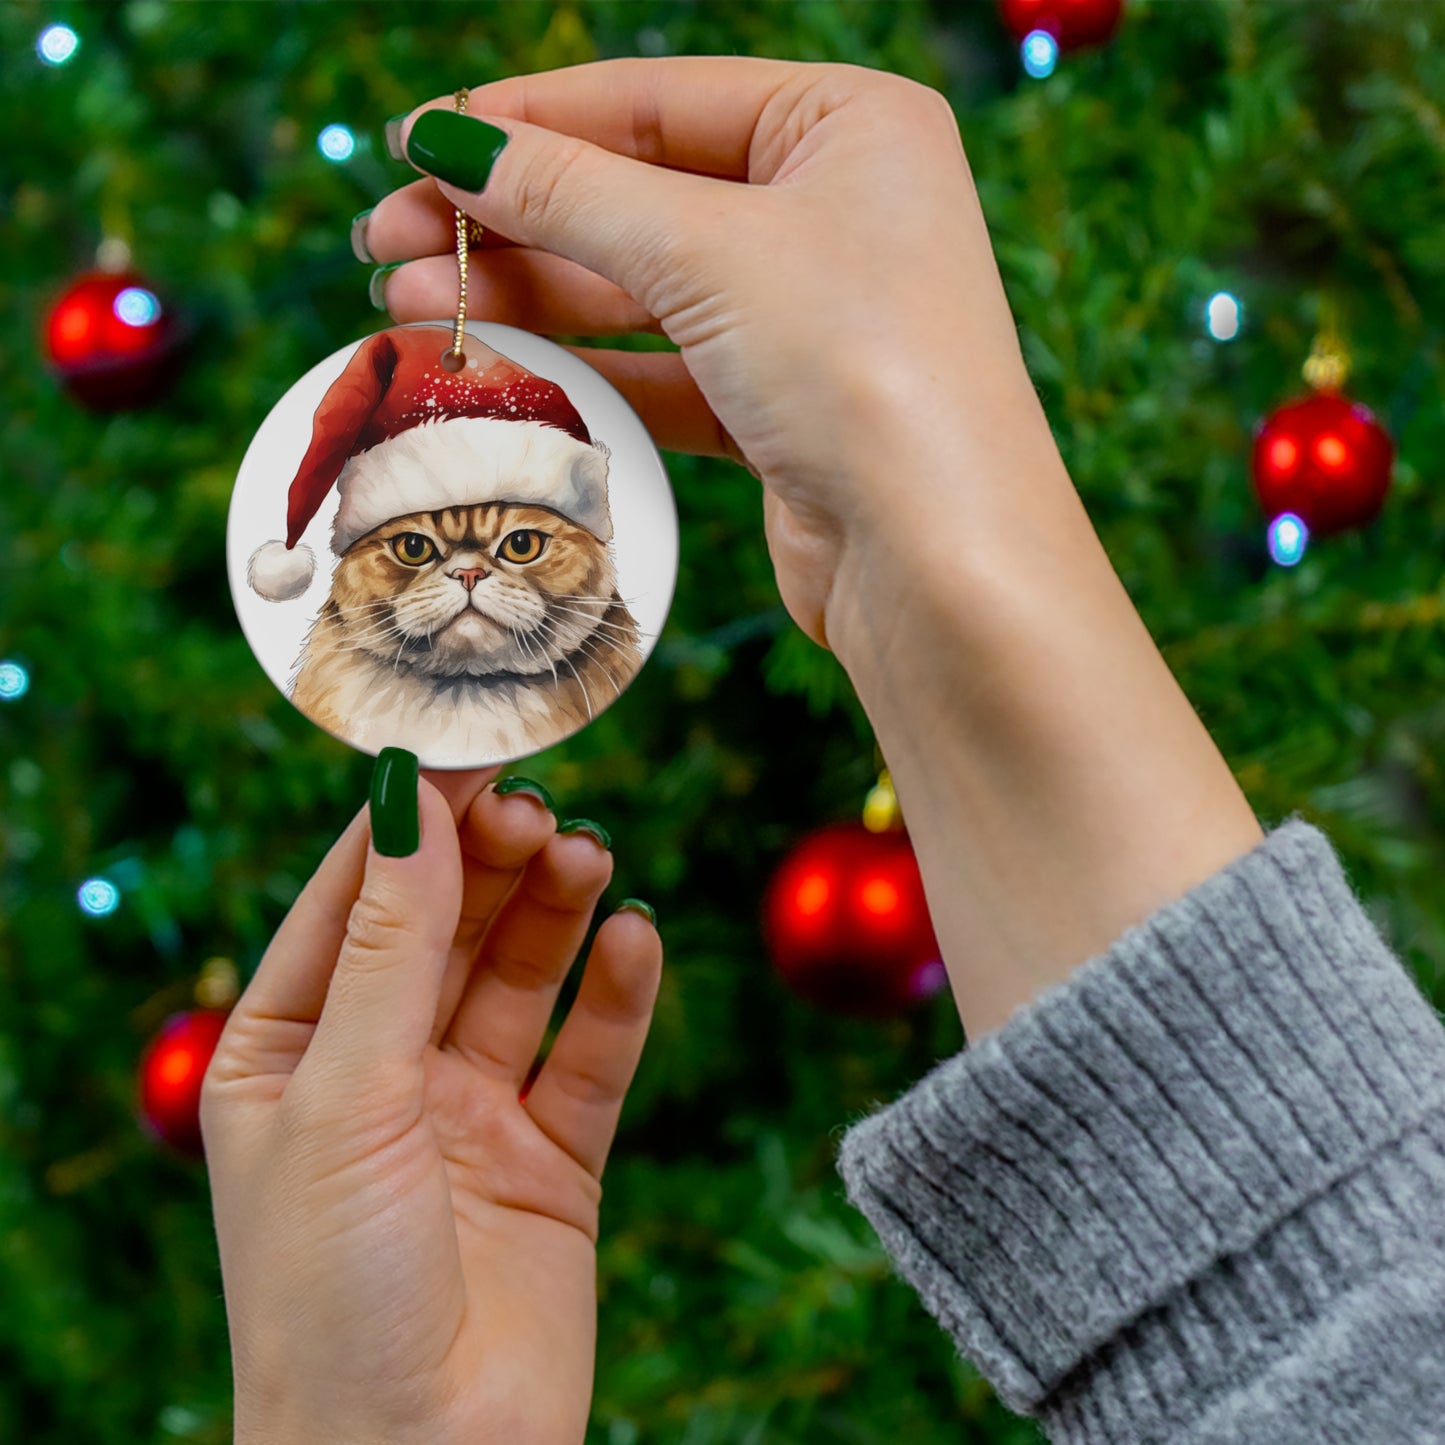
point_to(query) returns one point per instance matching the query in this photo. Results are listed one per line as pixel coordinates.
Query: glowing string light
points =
(14, 681)
(137, 307)
(336, 143)
(57, 44)
(1223, 316)
(98, 897)
(1288, 538)
(1040, 53)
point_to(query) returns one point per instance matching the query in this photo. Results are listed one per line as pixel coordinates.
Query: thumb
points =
(634, 224)
(382, 1000)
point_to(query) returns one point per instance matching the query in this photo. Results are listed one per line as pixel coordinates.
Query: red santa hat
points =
(397, 433)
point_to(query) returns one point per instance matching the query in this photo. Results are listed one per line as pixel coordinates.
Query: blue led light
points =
(1040, 52)
(137, 307)
(14, 681)
(1288, 538)
(1223, 316)
(57, 44)
(98, 897)
(336, 143)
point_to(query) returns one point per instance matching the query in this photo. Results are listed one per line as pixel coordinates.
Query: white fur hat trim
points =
(466, 461)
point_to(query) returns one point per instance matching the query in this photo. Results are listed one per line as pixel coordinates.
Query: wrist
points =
(947, 523)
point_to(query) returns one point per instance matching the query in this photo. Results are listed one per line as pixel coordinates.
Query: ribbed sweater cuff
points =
(1144, 1165)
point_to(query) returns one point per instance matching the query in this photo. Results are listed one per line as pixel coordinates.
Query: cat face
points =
(468, 591)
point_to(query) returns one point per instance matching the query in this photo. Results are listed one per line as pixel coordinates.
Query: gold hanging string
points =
(469, 232)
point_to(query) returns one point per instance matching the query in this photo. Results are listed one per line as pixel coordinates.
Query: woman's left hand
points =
(407, 1235)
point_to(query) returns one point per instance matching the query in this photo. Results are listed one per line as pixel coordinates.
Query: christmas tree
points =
(162, 803)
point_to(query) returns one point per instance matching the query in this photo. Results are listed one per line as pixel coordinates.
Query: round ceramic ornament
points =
(468, 556)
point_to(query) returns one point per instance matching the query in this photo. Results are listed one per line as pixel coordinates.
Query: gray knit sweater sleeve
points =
(1196, 1192)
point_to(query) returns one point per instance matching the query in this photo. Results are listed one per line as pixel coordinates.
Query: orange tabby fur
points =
(408, 656)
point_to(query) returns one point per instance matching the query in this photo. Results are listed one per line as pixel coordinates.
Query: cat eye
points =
(522, 546)
(413, 549)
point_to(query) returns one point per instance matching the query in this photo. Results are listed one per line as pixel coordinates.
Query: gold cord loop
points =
(469, 232)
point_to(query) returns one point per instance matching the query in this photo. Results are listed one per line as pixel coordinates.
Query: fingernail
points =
(359, 248)
(586, 825)
(393, 136)
(455, 148)
(376, 287)
(636, 905)
(395, 813)
(527, 786)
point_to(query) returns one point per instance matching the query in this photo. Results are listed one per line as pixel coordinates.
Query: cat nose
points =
(469, 576)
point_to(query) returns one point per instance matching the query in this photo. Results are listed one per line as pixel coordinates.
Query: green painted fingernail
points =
(395, 812)
(359, 248)
(376, 288)
(586, 825)
(392, 132)
(636, 905)
(526, 785)
(455, 148)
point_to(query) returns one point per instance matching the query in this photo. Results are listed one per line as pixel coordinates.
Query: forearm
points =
(1056, 782)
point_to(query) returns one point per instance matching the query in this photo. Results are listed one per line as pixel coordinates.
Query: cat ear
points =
(279, 572)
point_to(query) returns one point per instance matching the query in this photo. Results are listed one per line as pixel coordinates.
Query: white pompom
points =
(280, 573)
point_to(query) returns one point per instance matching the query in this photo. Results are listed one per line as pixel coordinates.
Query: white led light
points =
(57, 44)
(137, 307)
(1288, 538)
(1223, 316)
(1040, 52)
(336, 143)
(14, 681)
(98, 897)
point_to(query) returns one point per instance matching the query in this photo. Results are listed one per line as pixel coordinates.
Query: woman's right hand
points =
(808, 235)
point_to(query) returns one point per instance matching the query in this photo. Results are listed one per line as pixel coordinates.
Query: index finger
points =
(695, 113)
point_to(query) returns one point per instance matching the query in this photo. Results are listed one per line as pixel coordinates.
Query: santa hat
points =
(397, 432)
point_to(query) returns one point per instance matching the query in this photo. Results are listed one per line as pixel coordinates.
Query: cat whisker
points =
(586, 696)
(363, 639)
(558, 604)
(591, 647)
(372, 606)
(612, 599)
(526, 647)
(363, 616)
(370, 625)
(602, 667)
(598, 623)
(623, 643)
(370, 639)
(588, 648)
(571, 667)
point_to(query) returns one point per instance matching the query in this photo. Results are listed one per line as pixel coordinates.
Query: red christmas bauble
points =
(1073, 23)
(847, 923)
(1324, 458)
(112, 341)
(171, 1071)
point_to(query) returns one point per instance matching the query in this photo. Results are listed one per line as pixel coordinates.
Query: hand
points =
(840, 305)
(408, 1248)
(810, 237)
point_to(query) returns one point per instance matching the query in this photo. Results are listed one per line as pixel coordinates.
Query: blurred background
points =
(1187, 207)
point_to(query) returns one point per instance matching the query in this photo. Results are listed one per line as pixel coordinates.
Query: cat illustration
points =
(474, 613)
(472, 631)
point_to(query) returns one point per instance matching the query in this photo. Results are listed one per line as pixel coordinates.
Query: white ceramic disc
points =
(491, 560)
